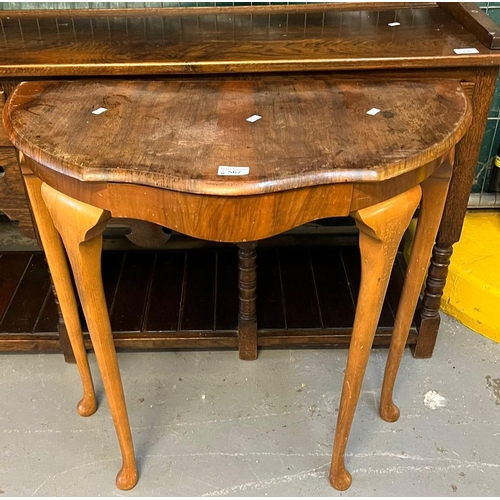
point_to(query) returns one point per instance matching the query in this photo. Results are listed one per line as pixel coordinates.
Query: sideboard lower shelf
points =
(184, 299)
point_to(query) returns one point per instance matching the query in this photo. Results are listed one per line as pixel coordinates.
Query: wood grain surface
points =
(4, 138)
(175, 134)
(476, 21)
(235, 39)
(13, 200)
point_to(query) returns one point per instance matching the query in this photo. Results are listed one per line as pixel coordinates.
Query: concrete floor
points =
(207, 424)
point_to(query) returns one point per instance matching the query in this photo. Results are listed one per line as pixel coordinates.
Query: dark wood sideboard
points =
(353, 40)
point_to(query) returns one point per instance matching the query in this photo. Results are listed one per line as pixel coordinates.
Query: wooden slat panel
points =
(160, 326)
(395, 286)
(61, 9)
(48, 318)
(129, 304)
(111, 264)
(198, 313)
(165, 293)
(337, 307)
(12, 268)
(301, 305)
(24, 309)
(226, 312)
(270, 307)
(352, 262)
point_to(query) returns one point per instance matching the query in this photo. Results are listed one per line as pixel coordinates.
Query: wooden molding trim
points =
(199, 11)
(475, 20)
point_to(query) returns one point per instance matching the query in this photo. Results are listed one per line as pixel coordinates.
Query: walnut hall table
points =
(181, 153)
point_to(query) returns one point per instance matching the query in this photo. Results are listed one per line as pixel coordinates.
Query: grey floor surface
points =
(208, 424)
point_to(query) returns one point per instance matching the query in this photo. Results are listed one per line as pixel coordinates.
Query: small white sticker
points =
(466, 51)
(98, 111)
(253, 118)
(373, 111)
(225, 170)
(394, 24)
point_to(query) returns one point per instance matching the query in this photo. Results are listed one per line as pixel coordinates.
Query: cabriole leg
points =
(434, 191)
(381, 228)
(59, 271)
(81, 227)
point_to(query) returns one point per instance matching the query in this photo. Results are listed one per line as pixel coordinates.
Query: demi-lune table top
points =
(182, 133)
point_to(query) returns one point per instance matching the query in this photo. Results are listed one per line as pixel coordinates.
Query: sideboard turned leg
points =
(434, 190)
(466, 155)
(381, 228)
(247, 285)
(58, 265)
(81, 227)
(429, 312)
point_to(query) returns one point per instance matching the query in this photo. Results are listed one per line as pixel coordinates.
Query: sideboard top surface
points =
(281, 38)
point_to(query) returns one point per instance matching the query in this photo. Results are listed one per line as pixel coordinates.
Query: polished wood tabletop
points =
(307, 131)
(236, 39)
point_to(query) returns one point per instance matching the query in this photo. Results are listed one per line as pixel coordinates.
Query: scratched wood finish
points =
(236, 40)
(314, 130)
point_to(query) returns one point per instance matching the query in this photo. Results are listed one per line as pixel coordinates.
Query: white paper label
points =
(253, 118)
(466, 51)
(394, 24)
(98, 111)
(225, 170)
(373, 111)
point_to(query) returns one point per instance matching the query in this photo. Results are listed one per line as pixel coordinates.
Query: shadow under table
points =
(188, 298)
